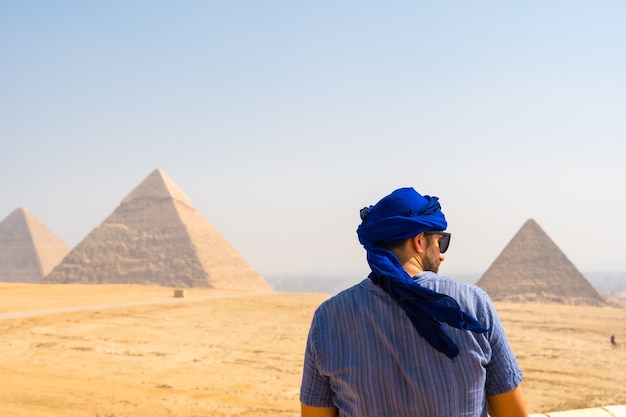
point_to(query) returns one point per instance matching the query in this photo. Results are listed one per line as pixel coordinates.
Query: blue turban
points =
(404, 214)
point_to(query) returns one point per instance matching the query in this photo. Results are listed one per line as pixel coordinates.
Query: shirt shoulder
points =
(352, 294)
(471, 298)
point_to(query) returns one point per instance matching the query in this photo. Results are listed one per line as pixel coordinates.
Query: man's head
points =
(402, 215)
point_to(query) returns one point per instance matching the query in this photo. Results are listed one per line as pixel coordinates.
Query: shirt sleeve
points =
(503, 372)
(315, 390)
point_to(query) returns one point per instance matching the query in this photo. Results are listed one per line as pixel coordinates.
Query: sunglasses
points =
(444, 242)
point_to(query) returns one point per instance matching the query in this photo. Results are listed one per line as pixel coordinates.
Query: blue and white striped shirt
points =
(364, 356)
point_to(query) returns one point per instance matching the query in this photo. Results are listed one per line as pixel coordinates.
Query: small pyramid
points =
(532, 268)
(156, 236)
(28, 249)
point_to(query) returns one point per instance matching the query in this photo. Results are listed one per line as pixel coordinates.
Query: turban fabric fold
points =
(401, 215)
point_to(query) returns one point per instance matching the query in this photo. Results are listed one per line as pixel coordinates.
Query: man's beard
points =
(431, 261)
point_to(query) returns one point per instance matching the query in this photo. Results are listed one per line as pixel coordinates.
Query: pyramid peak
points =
(20, 211)
(159, 172)
(531, 222)
(157, 185)
(20, 214)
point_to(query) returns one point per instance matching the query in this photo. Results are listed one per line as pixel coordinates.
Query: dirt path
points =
(33, 313)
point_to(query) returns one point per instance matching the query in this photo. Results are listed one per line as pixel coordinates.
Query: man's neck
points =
(413, 266)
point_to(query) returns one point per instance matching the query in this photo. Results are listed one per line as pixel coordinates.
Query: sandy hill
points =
(532, 268)
(156, 236)
(28, 249)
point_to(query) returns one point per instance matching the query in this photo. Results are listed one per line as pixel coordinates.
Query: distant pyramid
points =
(156, 236)
(28, 249)
(532, 268)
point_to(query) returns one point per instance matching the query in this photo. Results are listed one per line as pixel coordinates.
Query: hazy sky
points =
(280, 120)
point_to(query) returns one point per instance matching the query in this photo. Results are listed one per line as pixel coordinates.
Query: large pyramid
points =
(28, 249)
(156, 236)
(532, 268)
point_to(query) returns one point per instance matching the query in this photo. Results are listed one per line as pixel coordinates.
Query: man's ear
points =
(419, 243)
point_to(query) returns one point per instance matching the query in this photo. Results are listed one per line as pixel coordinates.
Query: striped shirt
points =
(364, 356)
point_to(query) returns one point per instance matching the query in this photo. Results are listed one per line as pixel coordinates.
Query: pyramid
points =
(532, 268)
(156, 236)
(28, 249)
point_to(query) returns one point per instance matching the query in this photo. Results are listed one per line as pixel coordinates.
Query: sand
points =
(142, 352)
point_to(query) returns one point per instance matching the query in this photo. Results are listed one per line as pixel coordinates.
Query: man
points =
(407, 341)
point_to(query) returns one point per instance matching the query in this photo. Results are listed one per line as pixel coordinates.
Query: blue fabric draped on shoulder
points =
(404, 214)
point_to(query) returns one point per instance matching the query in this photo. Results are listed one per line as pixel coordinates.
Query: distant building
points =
(156, 236)
(532, 268)
(28, 249)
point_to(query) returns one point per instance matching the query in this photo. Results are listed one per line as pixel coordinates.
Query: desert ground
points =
(139, 351)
